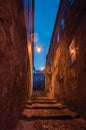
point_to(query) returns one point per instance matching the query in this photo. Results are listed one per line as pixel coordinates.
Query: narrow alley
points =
(43, 113)
(42, 64)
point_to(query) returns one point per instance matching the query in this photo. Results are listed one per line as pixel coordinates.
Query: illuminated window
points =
(62, 24)
(72, 51)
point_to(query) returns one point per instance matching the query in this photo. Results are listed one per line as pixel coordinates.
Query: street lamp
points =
(38, 48)
(35, 37)
(42, 68)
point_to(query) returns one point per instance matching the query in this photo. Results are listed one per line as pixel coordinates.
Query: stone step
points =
(41, 98)
(57, 117)
(45, 106)
(31, 114)
(41, 101)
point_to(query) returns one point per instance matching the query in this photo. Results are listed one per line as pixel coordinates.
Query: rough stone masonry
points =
(13, 63)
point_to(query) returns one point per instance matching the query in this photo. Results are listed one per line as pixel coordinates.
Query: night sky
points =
(45, 12)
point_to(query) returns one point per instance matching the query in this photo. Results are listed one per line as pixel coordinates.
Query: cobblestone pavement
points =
(75, 124)
(50, 119)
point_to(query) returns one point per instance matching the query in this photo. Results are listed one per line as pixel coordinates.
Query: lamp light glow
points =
(43, 67)
(38, 49)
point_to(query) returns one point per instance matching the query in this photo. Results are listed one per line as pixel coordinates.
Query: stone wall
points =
(13, 63)
(29, 20)
(69, 81)
(68, 78)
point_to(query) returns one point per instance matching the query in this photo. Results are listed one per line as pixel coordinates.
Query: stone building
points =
(66, 59)
(14, 62)
(38, 80)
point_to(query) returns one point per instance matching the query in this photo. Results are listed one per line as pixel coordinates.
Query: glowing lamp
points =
(38, 49)
(43, 67)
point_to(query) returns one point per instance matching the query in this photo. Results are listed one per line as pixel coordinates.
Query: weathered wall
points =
(74, 76)
(13, 63)
(29, 20)
(69, 79)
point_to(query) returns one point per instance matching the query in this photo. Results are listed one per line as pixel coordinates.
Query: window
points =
(58, 37)
(62, 24)
(71, 2)
(42, 78)
(51, 62)
(72, 51)
(36, 79)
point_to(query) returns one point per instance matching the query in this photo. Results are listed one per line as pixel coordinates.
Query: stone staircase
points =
(42, 107)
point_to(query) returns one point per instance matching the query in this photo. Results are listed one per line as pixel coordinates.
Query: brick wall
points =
(13, 63)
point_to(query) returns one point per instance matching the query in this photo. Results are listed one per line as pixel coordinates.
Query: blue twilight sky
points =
(45, 12)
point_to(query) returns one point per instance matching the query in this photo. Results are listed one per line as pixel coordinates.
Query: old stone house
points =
(67, 56)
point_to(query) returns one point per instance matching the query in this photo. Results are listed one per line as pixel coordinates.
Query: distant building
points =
(38, 80)
(65, 76)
